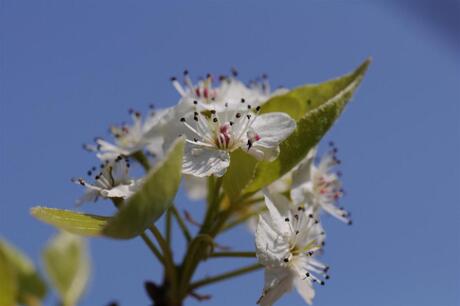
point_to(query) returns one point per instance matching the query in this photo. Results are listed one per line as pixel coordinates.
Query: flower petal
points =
(305, 289)
(120, 191)
(205, 162)
(272, 129)
(278, 281)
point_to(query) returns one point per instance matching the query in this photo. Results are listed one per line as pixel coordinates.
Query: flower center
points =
(225, 130)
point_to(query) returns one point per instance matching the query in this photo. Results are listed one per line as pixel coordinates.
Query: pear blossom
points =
(286, 245)
(229, 90)
(112, 181)
(319, 185)
(142, 134)
(212, 138)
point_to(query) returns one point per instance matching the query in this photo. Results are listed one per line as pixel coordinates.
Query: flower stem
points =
(140, 157)
(224, 276)
(152, 247)
(170, 268)
(234, 254)
(168, 232)
(181, 223)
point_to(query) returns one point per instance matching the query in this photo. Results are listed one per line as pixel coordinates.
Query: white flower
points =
(287, 238)
(229, 90)
(211, 138)
(129, 139)
(319, 186)
(112, 181)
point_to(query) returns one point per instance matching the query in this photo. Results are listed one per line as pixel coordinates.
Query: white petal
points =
(278, 281)
(205, 162)
(262, 153)
(121, 191)
(279, 209)
(303, 173)
(90, 195)
(196, 187)
(305, 289)
(303, 194)
(271, 245)
(273, 128)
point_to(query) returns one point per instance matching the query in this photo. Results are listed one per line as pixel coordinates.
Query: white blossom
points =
(129, 139)
(112, 181)
(212, 138)
(287, 239)
(319, 185)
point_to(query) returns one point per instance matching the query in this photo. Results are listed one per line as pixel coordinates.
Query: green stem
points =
(234, 254)
(168, 232)
(170, 268)
(213, 204)
(140, 157)
(181, 223)
(223, 276)
(152, 247)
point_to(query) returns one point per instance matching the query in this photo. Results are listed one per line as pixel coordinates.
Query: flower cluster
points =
(217, 118)
(289, 236)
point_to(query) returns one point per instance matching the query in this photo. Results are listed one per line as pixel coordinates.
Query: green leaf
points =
(8, 279)
(152, 200)
(67, 265)
(239, 173)
(297, 102)
(71, 221)
(29, 285)
(328, 100)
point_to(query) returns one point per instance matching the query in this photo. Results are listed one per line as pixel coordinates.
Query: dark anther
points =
(310, 215)
(213, 111)
(327, 277)
(321, 283)
(195, 140)
(195, 118)
(185, 72)
(249, 106)
(231, 122)
(248, 116)
(214, 120)
(257, 108)
(350, 222)
(238, 115)
(307, 274)
(182, 119)
(173, 79)
(195, 102)
(297, 232)
(243, 100)
(286, 260)
(287, 219)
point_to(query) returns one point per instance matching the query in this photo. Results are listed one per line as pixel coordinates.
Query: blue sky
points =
(71, 68)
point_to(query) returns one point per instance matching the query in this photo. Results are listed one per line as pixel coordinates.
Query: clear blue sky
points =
(71, 68)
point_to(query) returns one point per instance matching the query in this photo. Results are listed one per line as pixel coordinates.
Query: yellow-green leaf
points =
(299, 101)
(328, 100)
(29, 285)
(71, 221)
(152, 200)
(67, 265)
(8, 281)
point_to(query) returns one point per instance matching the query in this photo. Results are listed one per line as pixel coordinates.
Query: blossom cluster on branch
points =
(250, 153)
